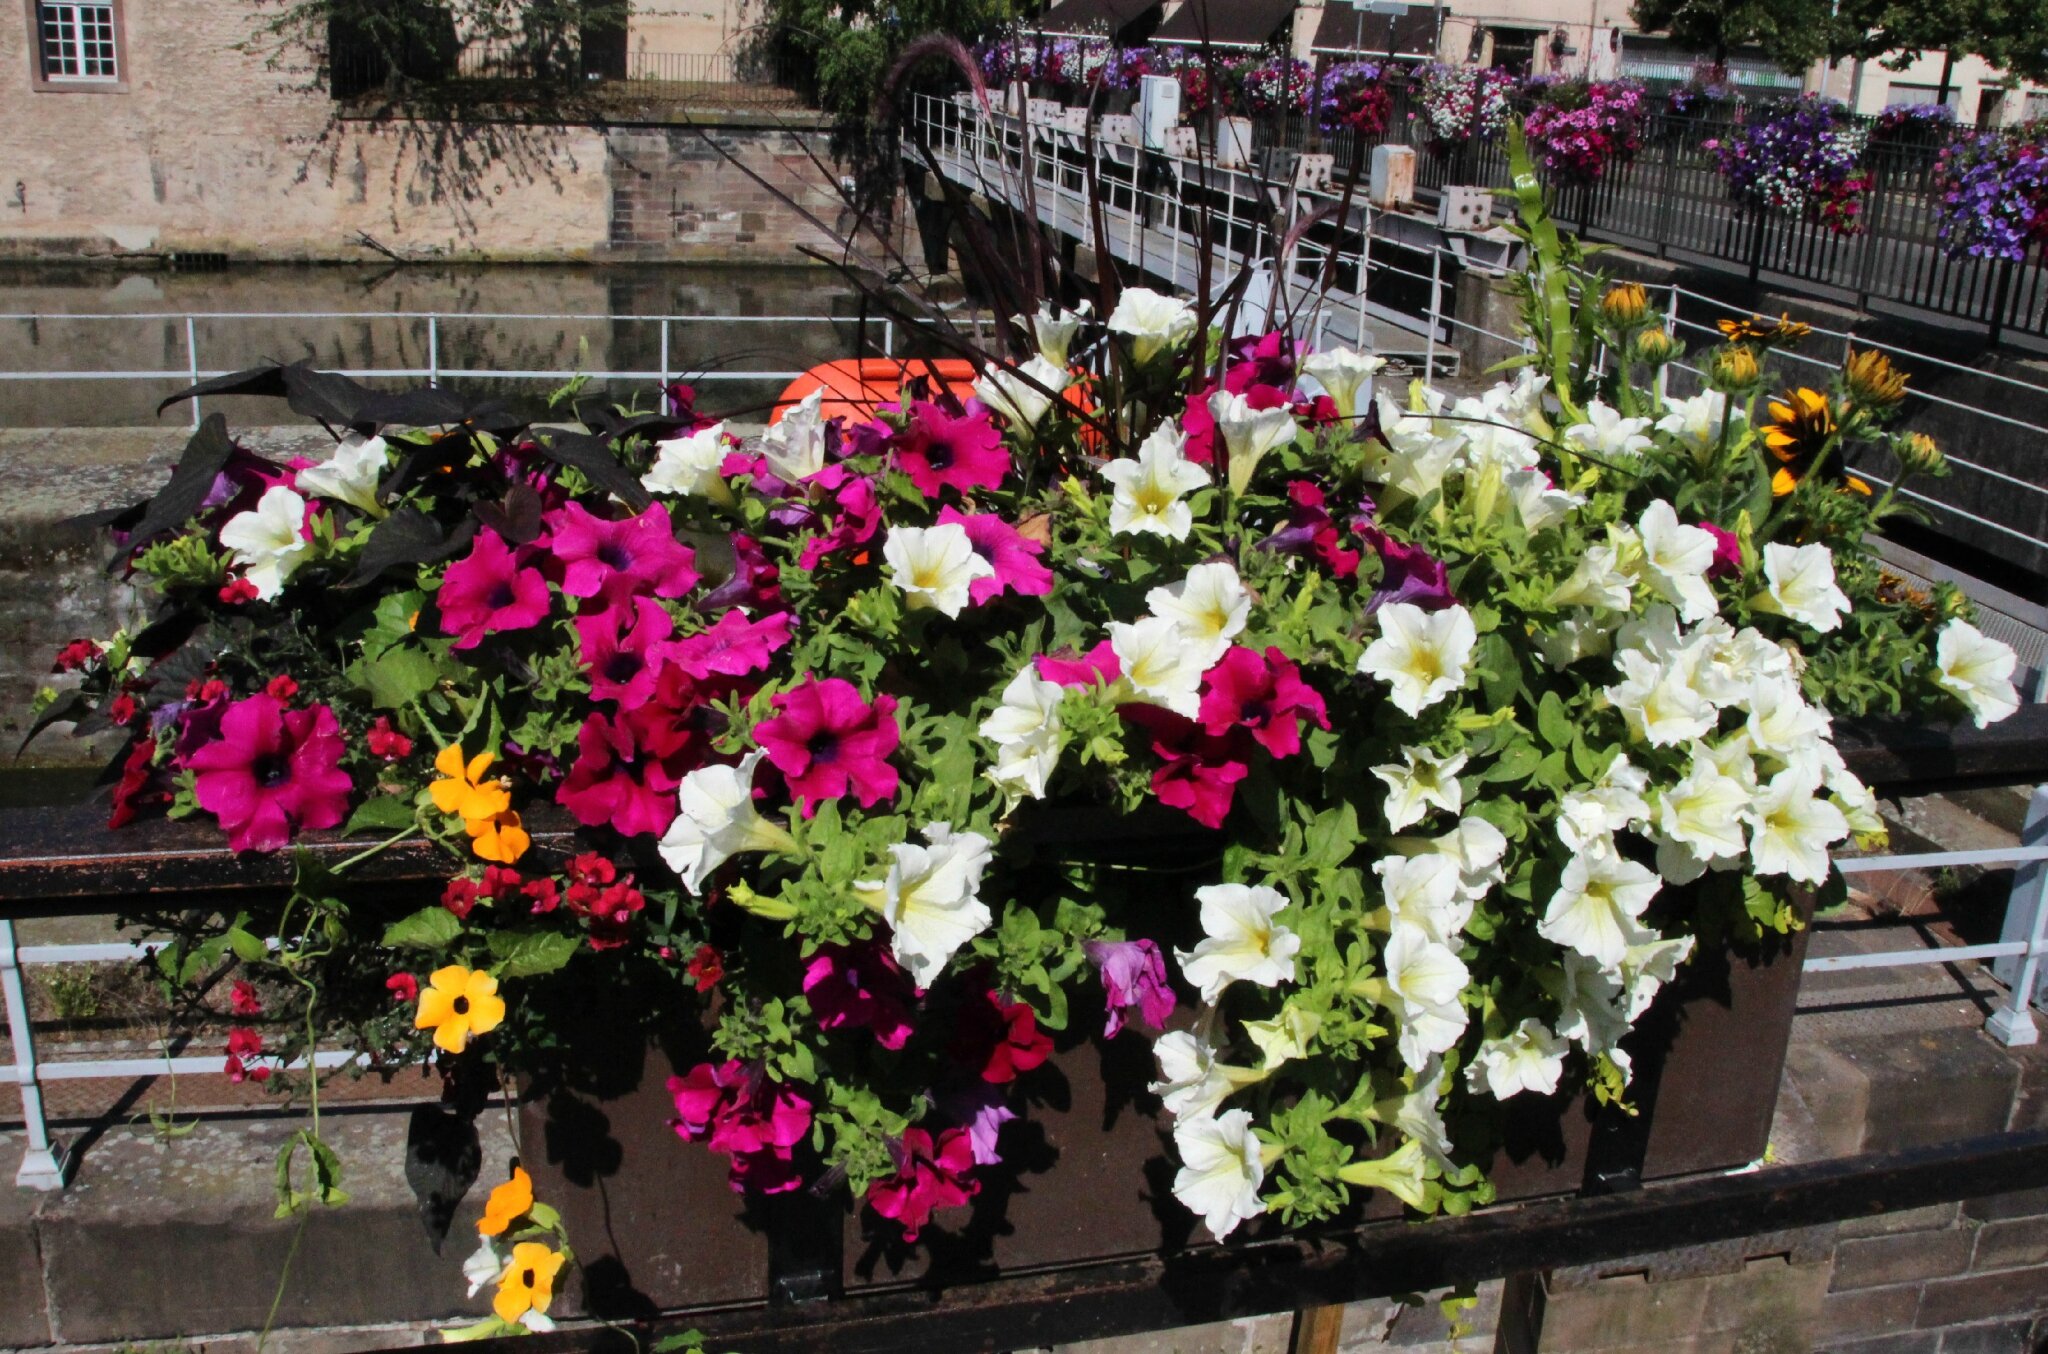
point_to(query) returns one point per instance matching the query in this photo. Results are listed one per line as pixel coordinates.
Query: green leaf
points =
(385, 813)
(1551, 721)
(395, 676)
(430, 928)
(528, 954)
(248, 948)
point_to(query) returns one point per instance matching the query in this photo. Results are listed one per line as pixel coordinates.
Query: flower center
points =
(460, 1006)
(526, 1278)
(271, 770)
(614, 555)
(623, 666)
(502, 595)
(1256, 712)
(939, 455)
(824, 749)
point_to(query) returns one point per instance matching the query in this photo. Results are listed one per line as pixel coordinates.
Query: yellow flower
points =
(508, 1202)
(528, 1284)
(1757, 329)
(1655, 347)
(1734, 369)
(458, 1003)
(1871, 379)
(1625, 305)
(1919, 454)
(463, 789)
(500, 838)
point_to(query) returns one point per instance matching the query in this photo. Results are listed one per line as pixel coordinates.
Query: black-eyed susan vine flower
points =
(483, 802)
(457, 1004)
(525, 1272)
(527, 1286)
(508, 1203)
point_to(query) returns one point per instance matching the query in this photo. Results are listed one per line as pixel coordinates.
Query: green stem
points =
(385, 845)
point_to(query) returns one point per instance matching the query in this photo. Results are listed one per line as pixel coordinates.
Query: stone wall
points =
(677, 193)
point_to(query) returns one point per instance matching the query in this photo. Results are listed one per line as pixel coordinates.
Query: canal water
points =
(350, 317)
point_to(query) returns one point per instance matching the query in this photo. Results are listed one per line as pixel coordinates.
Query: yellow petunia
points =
(528, 1284)
(508, 1203)
(463, 789)
(458, 1003)
(500, 838)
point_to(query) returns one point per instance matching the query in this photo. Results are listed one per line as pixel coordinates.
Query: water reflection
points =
(732, 339)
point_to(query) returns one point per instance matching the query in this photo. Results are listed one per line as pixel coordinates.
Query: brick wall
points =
(677, 193)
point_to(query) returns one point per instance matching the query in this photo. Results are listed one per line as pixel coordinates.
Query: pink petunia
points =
(1133, 979)
(860, 986)
(997, 1039)
(930, 1175)
(1310, 531)
(827, 741)
(734, 646)
(1099, 664)
(1727, 552)
(624, 647)
(619, 558)
(270, 772)
(1263, 694)
(1012, 554)
(1199, 772)
(739, 1111)
(857, 517)
(489, 591)
(627, 769)
(1408, 573)
(939, 450)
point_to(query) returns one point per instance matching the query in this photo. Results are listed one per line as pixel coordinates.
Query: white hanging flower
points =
(1528, 1058)
(1209, 607)
(794, 445)
(1977, 670)
(1418, 1111)
(1675, 562)
(1537, 499)
(1243, 941)
(1476, 847)
(1248, 433)
(352, 474)
(1019, 394)
(1599, 582)
(1149, 487)
(1159, 665)
(1703, 812)
(1696, 423)
(931, 898)
(1422, 780)
(1646, 968)
(1028, 734)
(1153, 322)
(1791, 827)
(1780, 722)
(1285, 1037)
(1589, 997)
(1192, 1084)
(1581, 634)
(1345, 376)
(1423, 656)
(1608, 435)
(690, 465)
(1416, 459)
(265, 543)
(1491, 442)
(1595, 907)
(1424, 981)
(1587, 819)
(1053, 329)
(718, 822)
(934, 566)
(1221, 1169)
(1658, 702)
(1424, 890)
(1800, 585)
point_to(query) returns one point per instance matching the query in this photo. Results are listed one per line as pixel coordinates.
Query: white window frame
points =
(74, 20)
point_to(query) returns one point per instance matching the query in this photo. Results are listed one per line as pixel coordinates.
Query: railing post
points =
(664, 355)
(433, 350)
(1436, 310)
(42, 1165)
(2026, 918)
(192, 362)
(1670, 332)
(888, 336)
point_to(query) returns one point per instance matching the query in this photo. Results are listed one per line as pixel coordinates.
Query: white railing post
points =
(192, 362)
(1436, 312)
(664, 355)
(42, 1165)
(1670, 332)
(888, 336)
(433, 350)
(2026, 918)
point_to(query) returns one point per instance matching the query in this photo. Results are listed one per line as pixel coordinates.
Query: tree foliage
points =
(1795, 33)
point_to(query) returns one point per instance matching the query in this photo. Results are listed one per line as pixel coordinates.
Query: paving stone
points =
(24, 1318)
(2024, 1203)
(1905, 1342)
(1869, 1311)
(1934, 1087)
(1997, 1337)
(1928, 1219)
(1623, 1313)
(1250, 1335)
(1835, 1091)
(2011, 1244)
(1978, 1297)
(1771, 1306)
(1905, 1258)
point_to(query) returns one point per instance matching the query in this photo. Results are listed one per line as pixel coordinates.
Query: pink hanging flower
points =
(827, 741)
(1099, 664)
(939, 450)
(1310, 531)
(1727, 552)
(627, 769)
(930, 1175)
(272, 771)
(999, 1039)
(1199, 771)
(1262, 694)
(1409, 573)
(624, 648)
(858, 517)
(1013, 556)
(755, 1121)
(753, 583)
(860, 986)
(489, 591)
(617, 559)
(981, 1112)
(734, 646)
(1133, 978)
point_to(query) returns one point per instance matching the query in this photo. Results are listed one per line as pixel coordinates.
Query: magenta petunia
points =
(271, 772)
(1199, 772)
(930, 1174)
(997, 1039)
(1263, 694)
(1311, 532)
(857, 516)
(754, 582)
(627, 769)
(734, 646)
(739, 1111)
(939, 450)
(827, 741)
(1099, 664)
(1133, 979)
(1012, 554)
(982, 1111)
(490, 590)
(860, 986)
(1727, 552)
(624, 648)
(1408, 573)
(614, 559)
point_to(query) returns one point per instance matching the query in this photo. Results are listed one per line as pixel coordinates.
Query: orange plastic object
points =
(855, 387)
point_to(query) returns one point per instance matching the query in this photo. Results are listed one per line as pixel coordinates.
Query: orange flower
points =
(528, 1283)
(500, 838)
(458, 1003)
(1757, 329)
(508, 1202)
(464, 790)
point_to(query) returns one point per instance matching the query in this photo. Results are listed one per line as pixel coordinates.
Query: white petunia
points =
(1422, 780)
(1345, 376)
(931, 898)
(1423, 656)
(485, 1265)
(1158, 663)
(1209, 607)
(1242, 941)
(1285, 1037)
(1053, 328)
(1248, 434)
(1149, 486)
(1595, 907)
(1020, 394)
(1703, 812)
(1424, 981)
(934, 566)
(1416, 458)
(1780, 722)
(1646, 968)
(690, 465)
(717, 821)
(795, 444)
(1800, 585)
(1028, 734)
(1418, 1111)
(1476, 847)
(1221, 1169)
(1659, 704)
(1192, 1084)
(1791, 827)
(1581, 634)
(1607, 434)
(1599, 582)
(1424, 890)
(1492, 443)
(1589, 1000)
(1537, 499)
(1675, 562)
(1154, 323)
(1527, 1058)
(352, 474)
(1977, 670)
(265, 543)
(1696, 423)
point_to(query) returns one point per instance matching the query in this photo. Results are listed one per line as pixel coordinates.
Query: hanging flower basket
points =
(1801, 158)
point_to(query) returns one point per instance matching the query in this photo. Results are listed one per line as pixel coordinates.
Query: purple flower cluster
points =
(1577, 130)
(1352, 96)
(1794, 157)
(1709, 85)
(1994, 193)
(1914, 117)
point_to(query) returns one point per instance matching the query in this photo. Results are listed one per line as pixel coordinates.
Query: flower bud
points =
(1625, 305)
(1871, 380)
(1734, 368)
(1655, 347)
(1917, 452)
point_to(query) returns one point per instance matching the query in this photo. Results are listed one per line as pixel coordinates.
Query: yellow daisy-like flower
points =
(508, 1203)
(457, 1004)
(1757, 329)
(500, 838)
(528, 1283)
(464, 790)
(1871, 379)
(1801, 424)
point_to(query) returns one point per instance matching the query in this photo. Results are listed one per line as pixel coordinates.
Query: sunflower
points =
(1801, 424)
(1766, 333)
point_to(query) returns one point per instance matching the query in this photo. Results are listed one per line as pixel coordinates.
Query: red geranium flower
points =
(243, 1000)
(281, 687)
(387, 742)
(77, 654)
(706, 968)
(403, 987)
